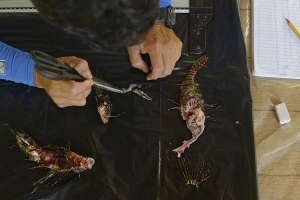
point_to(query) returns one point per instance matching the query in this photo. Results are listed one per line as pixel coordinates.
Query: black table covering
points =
(130, 151)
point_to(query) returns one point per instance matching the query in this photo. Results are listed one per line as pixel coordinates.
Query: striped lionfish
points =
(192, 106)
(59, 160)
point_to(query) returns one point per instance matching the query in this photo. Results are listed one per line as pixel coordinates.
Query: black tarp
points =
(130, 151)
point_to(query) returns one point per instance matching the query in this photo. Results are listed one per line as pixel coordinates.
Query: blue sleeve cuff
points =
(164, 3)
(16, 65)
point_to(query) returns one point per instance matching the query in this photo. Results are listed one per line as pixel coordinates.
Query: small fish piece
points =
(104, 105)
(192, 105)
(137, 91)
(59, 160)
(141, 94)
(190, 172)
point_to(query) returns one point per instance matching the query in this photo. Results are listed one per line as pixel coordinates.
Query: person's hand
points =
(163, 47)
(68, 93)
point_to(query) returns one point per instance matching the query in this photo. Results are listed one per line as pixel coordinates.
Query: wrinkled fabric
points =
(130, 151)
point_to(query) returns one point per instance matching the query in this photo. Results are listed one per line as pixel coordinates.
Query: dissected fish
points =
(104, 105)
(192, 105)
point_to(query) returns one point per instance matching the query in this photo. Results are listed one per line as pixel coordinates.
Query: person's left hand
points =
(163, 47)
(68, 93)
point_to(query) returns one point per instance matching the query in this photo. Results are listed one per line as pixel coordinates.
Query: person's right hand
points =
(68, 93)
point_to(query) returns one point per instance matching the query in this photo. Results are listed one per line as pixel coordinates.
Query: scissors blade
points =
(106, 86)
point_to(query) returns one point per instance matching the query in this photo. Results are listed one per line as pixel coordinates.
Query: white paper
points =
(276, 48)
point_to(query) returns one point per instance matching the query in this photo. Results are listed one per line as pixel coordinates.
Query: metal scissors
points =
(51, 68)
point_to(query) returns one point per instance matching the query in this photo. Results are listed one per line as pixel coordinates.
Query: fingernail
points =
(87, 74)
(92, 82)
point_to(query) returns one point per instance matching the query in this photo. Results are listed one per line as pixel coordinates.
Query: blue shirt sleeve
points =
(15, 65)
(164, 3)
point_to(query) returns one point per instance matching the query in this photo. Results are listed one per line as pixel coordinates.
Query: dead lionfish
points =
(104, 105)
(190, 172)
(192, 105)
(59, 160)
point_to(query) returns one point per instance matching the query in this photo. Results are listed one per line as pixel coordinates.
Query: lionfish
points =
(104, 106)
(192, 106)
(59, 160)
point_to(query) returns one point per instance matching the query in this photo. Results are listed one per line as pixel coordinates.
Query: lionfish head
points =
(104, 111)
(195, 121)
(84, 164)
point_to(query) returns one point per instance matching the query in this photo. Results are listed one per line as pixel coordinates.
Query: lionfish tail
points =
(189, 170)
(24, 141)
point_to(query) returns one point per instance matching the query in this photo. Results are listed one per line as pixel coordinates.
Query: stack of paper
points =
(276, 48)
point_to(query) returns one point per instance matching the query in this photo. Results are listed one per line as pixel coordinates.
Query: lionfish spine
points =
(200, 62)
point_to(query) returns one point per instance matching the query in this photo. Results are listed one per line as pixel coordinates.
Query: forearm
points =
(18, 66)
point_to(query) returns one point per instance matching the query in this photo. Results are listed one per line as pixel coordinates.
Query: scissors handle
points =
(51, 68)
(56, 74)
